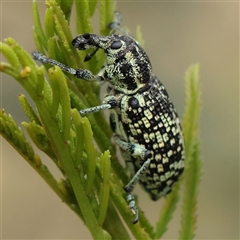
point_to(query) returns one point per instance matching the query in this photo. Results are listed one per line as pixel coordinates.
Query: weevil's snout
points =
(83, 41)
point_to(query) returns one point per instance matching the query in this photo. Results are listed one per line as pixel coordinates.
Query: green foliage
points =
(193, 163)
(92, 179)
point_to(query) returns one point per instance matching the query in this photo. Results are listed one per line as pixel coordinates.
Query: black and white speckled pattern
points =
(148, 118)
(144, 113)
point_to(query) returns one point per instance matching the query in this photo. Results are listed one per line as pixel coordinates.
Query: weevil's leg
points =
(111, 103)
(129, 187)
(43, 59)
(94, 109)
(134, 149)
(137, 151)
(116, 24)
(79, 73)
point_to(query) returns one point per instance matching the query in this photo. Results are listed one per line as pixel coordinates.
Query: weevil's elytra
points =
(142, 116)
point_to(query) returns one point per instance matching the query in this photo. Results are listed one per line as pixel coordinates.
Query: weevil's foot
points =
(117, 17)
(39, 56)
(116, 22)
(135, 211)
(132, 206)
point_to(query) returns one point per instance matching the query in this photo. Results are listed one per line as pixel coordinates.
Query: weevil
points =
(144, 121)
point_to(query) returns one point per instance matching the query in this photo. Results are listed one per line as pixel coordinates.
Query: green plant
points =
(92, 176)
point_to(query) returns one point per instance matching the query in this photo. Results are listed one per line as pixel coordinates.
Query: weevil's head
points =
(86, 41)
(127, 67)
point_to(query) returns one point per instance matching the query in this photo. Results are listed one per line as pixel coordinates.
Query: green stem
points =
(63, 154)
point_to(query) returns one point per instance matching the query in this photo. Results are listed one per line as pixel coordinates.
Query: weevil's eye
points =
(116, 45)
(86, 35)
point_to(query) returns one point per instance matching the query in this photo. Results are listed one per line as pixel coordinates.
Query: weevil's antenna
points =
(90, 55)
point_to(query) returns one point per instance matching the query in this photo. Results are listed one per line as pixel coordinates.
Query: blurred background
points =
(176, 35)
